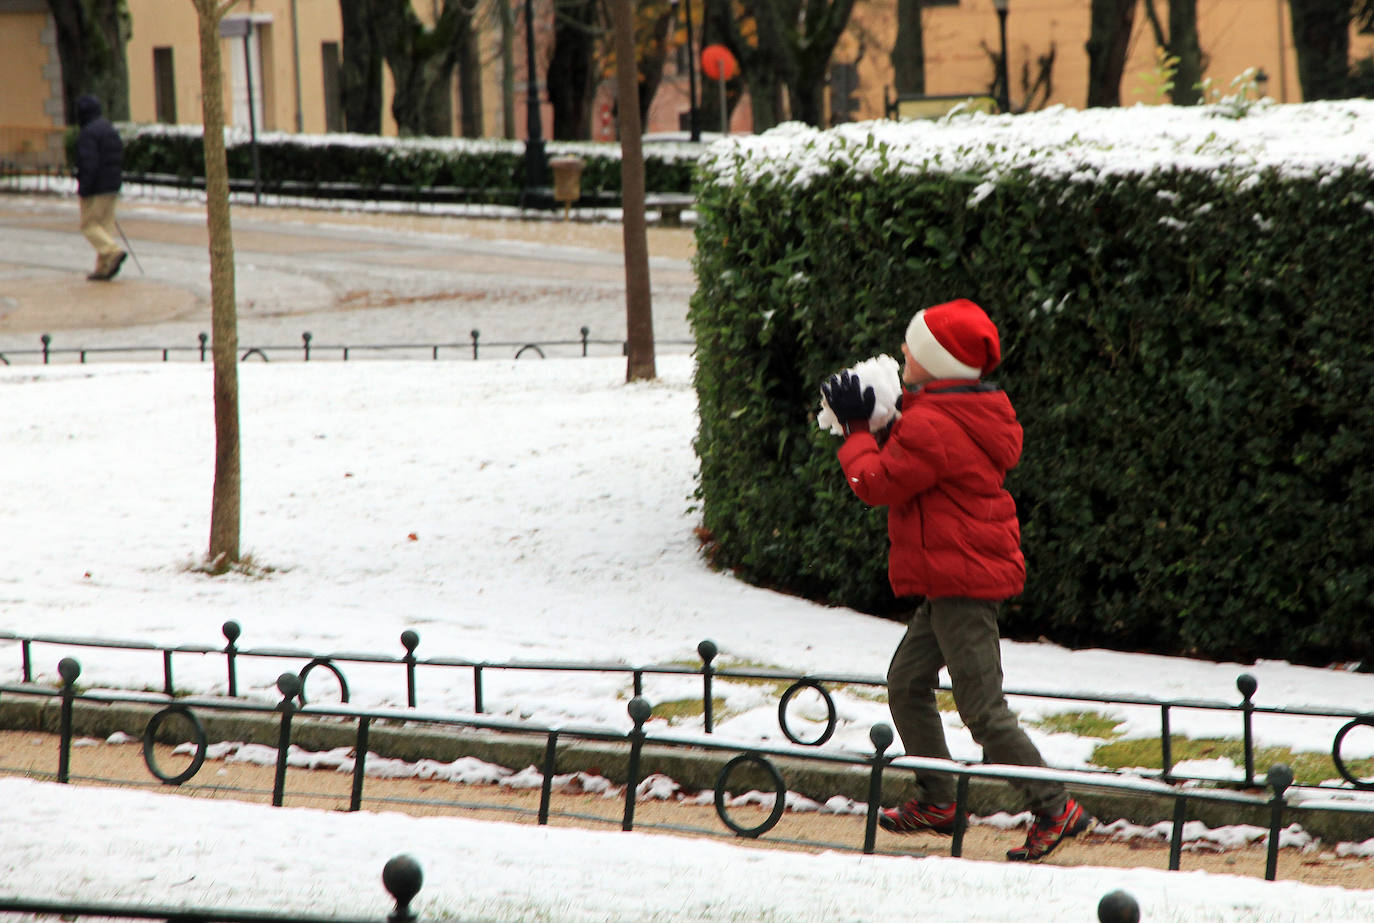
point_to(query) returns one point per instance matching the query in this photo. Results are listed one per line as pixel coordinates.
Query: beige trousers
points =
(98, 223)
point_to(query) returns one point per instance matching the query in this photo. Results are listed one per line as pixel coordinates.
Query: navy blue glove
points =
(850, 402)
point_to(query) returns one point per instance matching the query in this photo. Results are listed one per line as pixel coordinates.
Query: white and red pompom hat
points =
(954, 340)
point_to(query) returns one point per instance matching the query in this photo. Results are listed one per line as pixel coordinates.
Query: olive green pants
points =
(960, 634)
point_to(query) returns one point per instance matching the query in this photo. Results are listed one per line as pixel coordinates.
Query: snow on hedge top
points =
(664, 149)
(1228, 138)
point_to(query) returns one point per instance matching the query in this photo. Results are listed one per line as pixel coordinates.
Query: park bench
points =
(670, 206)
(912, 106)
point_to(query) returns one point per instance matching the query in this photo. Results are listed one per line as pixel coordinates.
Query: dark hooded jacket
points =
(952, 525)
(99, 151)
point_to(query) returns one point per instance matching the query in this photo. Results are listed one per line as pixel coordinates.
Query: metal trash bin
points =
(567, 180)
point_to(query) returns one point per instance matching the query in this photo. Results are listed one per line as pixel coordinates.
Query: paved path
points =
(347, 277)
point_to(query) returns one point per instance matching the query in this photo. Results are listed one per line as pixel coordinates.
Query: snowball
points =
(883, 375)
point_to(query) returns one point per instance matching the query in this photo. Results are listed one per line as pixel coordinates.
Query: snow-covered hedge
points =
(1186, 301)
(484, 169)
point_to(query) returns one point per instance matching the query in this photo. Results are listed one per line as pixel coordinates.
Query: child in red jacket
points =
(956, 541)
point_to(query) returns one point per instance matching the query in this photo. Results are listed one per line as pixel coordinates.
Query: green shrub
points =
(1187, 336)
(484, 170)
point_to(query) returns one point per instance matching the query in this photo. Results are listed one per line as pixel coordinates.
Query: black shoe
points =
(118, 262)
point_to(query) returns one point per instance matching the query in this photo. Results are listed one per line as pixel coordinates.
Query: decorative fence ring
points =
(1364, 784)
(779, 792)
(328, 665)
(534, 346)
(255, 351)
(150, 735)
(831, 718)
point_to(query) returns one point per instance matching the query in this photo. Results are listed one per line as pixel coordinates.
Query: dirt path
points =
(99, 763)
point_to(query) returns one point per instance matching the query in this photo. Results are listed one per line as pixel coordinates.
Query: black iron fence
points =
(761, 760)
(409, 665)
(15, 177)
(583, 345)
(401, 876)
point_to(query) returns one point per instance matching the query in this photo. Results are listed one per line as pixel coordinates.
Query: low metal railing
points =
(761, 758)
(583, 345)
(401, 876)
(1246, 710)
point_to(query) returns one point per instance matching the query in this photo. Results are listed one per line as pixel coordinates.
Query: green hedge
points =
(1188, 331)
(493, 168)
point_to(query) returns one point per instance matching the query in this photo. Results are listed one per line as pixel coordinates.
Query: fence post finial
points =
(402, 877)
(1118, 907)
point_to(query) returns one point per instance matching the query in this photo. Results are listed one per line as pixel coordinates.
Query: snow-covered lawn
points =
(503, 510)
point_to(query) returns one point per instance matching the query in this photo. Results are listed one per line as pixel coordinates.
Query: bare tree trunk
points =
(1182, 42)
(421, 61)
(909, 50)
(470, 83)
(360, 70)
(639, 317)
(224, 344)
(507, 68)
(92, 36)
(572, 69)
(1321, 38)
(1108, 42)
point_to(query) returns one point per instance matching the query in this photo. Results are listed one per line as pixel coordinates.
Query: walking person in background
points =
(955, 540)
(99, 174)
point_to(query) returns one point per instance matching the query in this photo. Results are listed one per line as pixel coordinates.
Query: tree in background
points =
(469, 68)
(639, 316)
(421, 61)
(92, 36)
(360, 69)
(224, 343)
(573, 67)
(655, 26)
(713, 12)
(1109, 40)
(909, 50)
(1181, 43)
(505, 14)
(790, 50)
(656, 32)
(1321, 40)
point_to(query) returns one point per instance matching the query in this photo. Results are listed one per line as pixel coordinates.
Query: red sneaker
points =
(918, 817)
(1048, 830)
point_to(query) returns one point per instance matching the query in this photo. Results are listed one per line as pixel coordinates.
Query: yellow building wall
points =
(961, 40)
(289, 33)
(31, 118)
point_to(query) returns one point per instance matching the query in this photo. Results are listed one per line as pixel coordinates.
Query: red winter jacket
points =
(952, 524)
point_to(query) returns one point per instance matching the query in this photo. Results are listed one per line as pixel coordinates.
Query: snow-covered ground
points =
(541, 510)
(503, 510)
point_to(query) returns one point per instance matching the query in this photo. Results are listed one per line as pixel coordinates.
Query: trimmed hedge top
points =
(1228, 140)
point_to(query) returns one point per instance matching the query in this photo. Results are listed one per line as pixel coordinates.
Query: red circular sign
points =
(718, 63)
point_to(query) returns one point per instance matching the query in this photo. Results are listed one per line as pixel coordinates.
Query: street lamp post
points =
(1003, 81)
(534, 132)
(693, 113)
